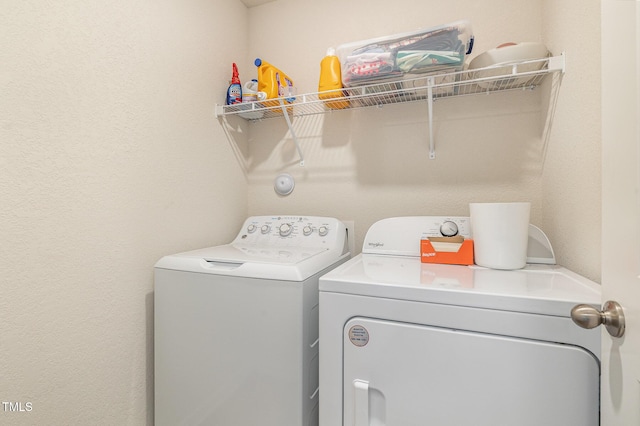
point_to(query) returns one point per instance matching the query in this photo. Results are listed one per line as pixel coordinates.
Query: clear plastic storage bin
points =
(431, 50)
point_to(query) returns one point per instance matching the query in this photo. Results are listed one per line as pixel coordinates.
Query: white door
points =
(620, 399)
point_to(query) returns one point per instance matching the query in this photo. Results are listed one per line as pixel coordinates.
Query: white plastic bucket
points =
(500, 234)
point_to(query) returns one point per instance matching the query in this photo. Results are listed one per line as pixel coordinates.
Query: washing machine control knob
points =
(285, 229)
(449, 228)
(307, 230)
(323, 231)
(251, 228)
(265, 229)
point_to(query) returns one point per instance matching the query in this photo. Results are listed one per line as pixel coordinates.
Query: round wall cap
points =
(284, 184)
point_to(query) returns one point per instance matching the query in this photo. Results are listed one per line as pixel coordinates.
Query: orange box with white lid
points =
(446, 250)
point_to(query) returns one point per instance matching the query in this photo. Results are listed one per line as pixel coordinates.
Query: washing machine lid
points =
(540, 289)
(290, 248)
(245, 253)
(271, 263)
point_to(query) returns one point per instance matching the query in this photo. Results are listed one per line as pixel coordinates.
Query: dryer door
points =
(406, 374)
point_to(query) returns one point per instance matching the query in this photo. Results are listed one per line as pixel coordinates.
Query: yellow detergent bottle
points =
(330, 85)
(274, 83)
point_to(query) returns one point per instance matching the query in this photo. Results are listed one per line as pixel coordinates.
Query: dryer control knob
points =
(285, 229)
(265, 229)
(251, 228)
(323, 231)
(449, 228)
(307, 230)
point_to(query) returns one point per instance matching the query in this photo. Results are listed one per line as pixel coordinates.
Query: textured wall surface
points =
(110, 157)
(572, 174)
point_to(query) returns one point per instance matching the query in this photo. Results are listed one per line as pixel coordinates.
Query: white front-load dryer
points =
(411, 343)
(236, 326)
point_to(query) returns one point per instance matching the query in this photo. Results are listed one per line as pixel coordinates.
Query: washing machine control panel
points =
(302, 231)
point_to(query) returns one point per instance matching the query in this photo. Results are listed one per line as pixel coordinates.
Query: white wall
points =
(369, 164)
(572, 173)
(110, 157)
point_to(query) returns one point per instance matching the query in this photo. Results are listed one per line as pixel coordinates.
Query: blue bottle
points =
(234, 92)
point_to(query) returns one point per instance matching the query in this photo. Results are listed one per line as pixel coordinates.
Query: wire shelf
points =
(525, 75)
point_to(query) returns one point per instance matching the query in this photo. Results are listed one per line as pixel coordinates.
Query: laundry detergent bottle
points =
(234, 92)
(330, 84)
(274, 83)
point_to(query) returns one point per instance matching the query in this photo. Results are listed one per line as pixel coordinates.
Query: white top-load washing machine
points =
(236, 326)
(406, 343)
